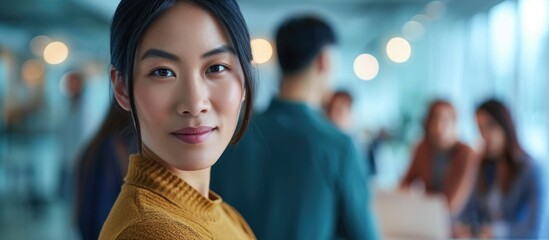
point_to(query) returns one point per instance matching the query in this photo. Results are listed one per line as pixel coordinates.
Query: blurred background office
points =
(394, 58)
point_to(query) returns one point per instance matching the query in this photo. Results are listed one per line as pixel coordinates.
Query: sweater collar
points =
(151, 175)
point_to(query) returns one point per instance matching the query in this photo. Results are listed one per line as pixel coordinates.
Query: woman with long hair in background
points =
(507, 200)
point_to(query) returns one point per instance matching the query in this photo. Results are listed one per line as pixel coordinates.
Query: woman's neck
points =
(438, 148)
(199, 179)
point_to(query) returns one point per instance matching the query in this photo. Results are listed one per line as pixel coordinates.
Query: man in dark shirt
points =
(294, 175)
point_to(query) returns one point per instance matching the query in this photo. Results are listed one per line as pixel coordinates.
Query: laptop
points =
(409, 215)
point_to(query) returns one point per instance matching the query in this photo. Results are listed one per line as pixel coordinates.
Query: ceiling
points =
(86, 22)
(71, 13)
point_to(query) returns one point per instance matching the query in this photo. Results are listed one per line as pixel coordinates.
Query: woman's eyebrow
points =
(157, 53)
(219, 50)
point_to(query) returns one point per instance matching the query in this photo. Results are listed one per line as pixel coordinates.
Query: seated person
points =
(507, 199)
(442, 163)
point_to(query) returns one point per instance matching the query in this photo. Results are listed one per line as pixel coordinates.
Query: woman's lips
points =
(193, 135)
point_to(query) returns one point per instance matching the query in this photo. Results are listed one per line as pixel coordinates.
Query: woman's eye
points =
(162, 72)
(216, 69)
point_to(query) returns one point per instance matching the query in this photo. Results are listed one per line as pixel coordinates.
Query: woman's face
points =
(341, 113)
(188, 88)
(492, 133)
(441, 127)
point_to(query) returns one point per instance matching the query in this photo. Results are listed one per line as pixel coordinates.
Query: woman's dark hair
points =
(114, 131)
(133, 17)
(115, 125)
(299, 40)
(513, 154)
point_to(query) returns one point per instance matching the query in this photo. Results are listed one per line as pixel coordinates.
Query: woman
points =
(339, 110)
(441, 163)
(183, 70)
(508, 196)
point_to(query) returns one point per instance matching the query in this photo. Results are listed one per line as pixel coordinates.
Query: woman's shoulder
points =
(466, 153)
(531, 167)
(237, 219)
(141, 214)
(159, 227)
(231, 212)
(462, 147)
(530, 173)
(527, 164)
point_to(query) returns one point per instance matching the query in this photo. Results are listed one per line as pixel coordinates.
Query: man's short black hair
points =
(299, 40)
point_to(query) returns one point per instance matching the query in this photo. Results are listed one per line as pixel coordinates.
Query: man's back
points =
(294, 176)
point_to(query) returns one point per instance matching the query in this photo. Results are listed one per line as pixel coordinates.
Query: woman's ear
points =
(120, 90)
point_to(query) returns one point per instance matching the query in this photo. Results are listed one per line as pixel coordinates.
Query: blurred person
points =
(294, 175)
(339, 110)
(100, 171)
(507, 200)
(442, 164)
(74, 83)
(183, 71)
(72, 137)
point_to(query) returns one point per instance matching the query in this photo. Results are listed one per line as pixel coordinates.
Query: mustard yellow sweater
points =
(156, 204)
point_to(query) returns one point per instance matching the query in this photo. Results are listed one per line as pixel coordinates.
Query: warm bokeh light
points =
(262, 51)
(413, 30)
(366, 67)
(56, 52)
(38, 44)
(399, 50)
(33, 72)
